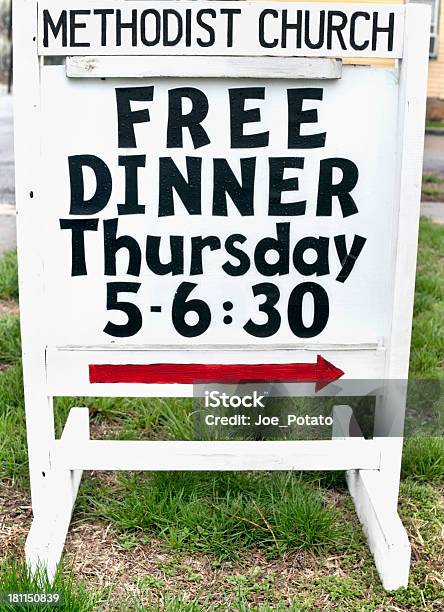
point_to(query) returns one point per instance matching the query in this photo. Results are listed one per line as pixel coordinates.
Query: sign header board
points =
(220, 28)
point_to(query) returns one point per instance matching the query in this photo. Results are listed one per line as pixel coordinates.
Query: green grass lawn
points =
(435, 125)
(228, 541)
(433, 188)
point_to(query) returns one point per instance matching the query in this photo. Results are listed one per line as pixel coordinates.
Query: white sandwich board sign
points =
(239, 207)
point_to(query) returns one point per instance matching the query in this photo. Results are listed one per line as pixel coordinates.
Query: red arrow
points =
(322, 373)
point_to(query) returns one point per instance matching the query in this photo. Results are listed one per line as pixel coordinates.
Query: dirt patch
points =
(146, 572)
(104, 430)
(8, 307)
(15, 520)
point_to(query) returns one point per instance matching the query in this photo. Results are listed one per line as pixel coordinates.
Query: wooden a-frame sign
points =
(205, 193)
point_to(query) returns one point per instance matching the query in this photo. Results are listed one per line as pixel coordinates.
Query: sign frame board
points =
(219, 29)
(372, 466)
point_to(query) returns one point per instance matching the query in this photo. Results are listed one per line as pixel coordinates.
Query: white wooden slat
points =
(375, 493)
(386, 535)
(342, 418)
(67, 368)
(413, 88)
(27, 146)
(218, 456)
(76, 429)
(312, 346)
(217, 67)
(46, 538)
(362, 34)
(412, 110)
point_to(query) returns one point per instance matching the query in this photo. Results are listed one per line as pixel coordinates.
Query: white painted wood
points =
(76, 430)
(245, 40)
(359, 308)
(218, 67)
(382, 526)
(219, 456)
(77, 425)
(68, 373)
(38, 404)
(345, 425)
(312, 346)
(46, 538)
(389, 423)
(376, 493)
(413, 86)
(342, 416)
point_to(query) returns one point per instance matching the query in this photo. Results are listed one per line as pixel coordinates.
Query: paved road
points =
(434, 155)
(6, 151)
(7, 209)
(433, 163)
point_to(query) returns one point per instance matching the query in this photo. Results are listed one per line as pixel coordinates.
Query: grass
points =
(10, 348)
(427, 356)
(74, 596)
(432, 179)
(433, 187)
(435, 125)
(431, 192)
(218, 514)
(250, 526)
(423, 460)
(13, 453)
(9, 276)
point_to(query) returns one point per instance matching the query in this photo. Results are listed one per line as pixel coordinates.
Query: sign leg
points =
(46, 538)
(375, 492)
(375, 495)
(386, 535)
